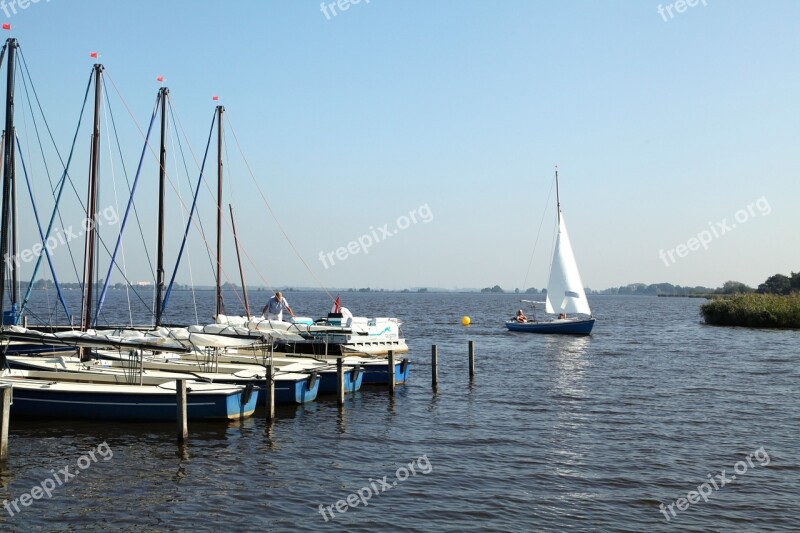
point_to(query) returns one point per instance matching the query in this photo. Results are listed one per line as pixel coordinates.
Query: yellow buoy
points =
(465, 321)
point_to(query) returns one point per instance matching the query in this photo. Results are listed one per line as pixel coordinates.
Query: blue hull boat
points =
(49, 399)
(353, 378)
(295, 391)
(290, 388)
(564, 327)
(377, 373)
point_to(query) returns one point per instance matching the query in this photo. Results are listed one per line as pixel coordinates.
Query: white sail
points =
(565, 292)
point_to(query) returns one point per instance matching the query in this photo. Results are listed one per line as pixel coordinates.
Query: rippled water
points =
(554, 433)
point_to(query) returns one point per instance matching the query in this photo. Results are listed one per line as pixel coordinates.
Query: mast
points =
(14, 242)
(8, 173)
(239, 259)
(558, 199)
(91, 210)
(162, 95)
(219, 304)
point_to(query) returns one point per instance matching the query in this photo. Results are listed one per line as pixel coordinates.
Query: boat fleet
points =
(132, 373)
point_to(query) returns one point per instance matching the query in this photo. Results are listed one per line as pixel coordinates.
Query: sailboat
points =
(565, 294)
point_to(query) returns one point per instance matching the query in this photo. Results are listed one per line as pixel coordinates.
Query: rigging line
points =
(176, 120)
(155, 156)
(106, 107)
(41, 233)
(56, 211)
(536, 242)
(258, 271)
(223, 273)
(213, 196)
(128, 209)
(38, 136)
(135, 211)
(228, 182)
(26, 130)
(272, 213)
(152, 151)
(52, 139)
(173, 138)
(38, 317)
(191, 217)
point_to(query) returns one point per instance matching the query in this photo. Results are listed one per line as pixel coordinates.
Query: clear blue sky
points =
(660, 126)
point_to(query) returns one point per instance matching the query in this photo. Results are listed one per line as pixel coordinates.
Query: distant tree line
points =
(780, 284)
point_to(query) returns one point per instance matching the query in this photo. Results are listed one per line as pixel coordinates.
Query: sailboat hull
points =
(563, 327)
(43, 399)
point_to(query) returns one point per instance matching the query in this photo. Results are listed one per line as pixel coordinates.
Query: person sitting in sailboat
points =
(275, 306)
(520, 316)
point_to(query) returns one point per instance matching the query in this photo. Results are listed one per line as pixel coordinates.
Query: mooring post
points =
(5, 416)
(183, 430)
(434, 366)
(391, 371)
(270, 392)
(471, 359)
(340, 381)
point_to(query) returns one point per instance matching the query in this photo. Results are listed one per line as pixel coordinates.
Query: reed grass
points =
(754, 311)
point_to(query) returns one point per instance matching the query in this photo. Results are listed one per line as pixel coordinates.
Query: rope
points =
(275, 218)
(41, 234)
(125, 216)
(56, 212)
(58, 153)
(168, 177)
(135, 210)
(530, 261)
(116, 198)
(183, 215)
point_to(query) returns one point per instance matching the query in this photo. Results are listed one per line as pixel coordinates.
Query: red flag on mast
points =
(93, 54)
(160, 78)
(215, 97)
(6, 26)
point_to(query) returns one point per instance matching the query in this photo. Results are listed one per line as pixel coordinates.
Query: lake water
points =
(554, 433)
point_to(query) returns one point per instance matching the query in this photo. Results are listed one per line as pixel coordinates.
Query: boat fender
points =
(403, 366)
(312, 380)
(356, 373)
(246, 394)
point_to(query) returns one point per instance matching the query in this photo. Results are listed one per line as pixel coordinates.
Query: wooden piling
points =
(183, 430)
(434, 366)
(5, 416)
(270, 392)
(471, 359)
(339, 381)
(391, 371)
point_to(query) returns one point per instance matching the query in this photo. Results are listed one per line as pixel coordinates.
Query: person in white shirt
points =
(275, 306)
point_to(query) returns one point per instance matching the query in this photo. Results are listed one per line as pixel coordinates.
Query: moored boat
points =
(34, 398)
